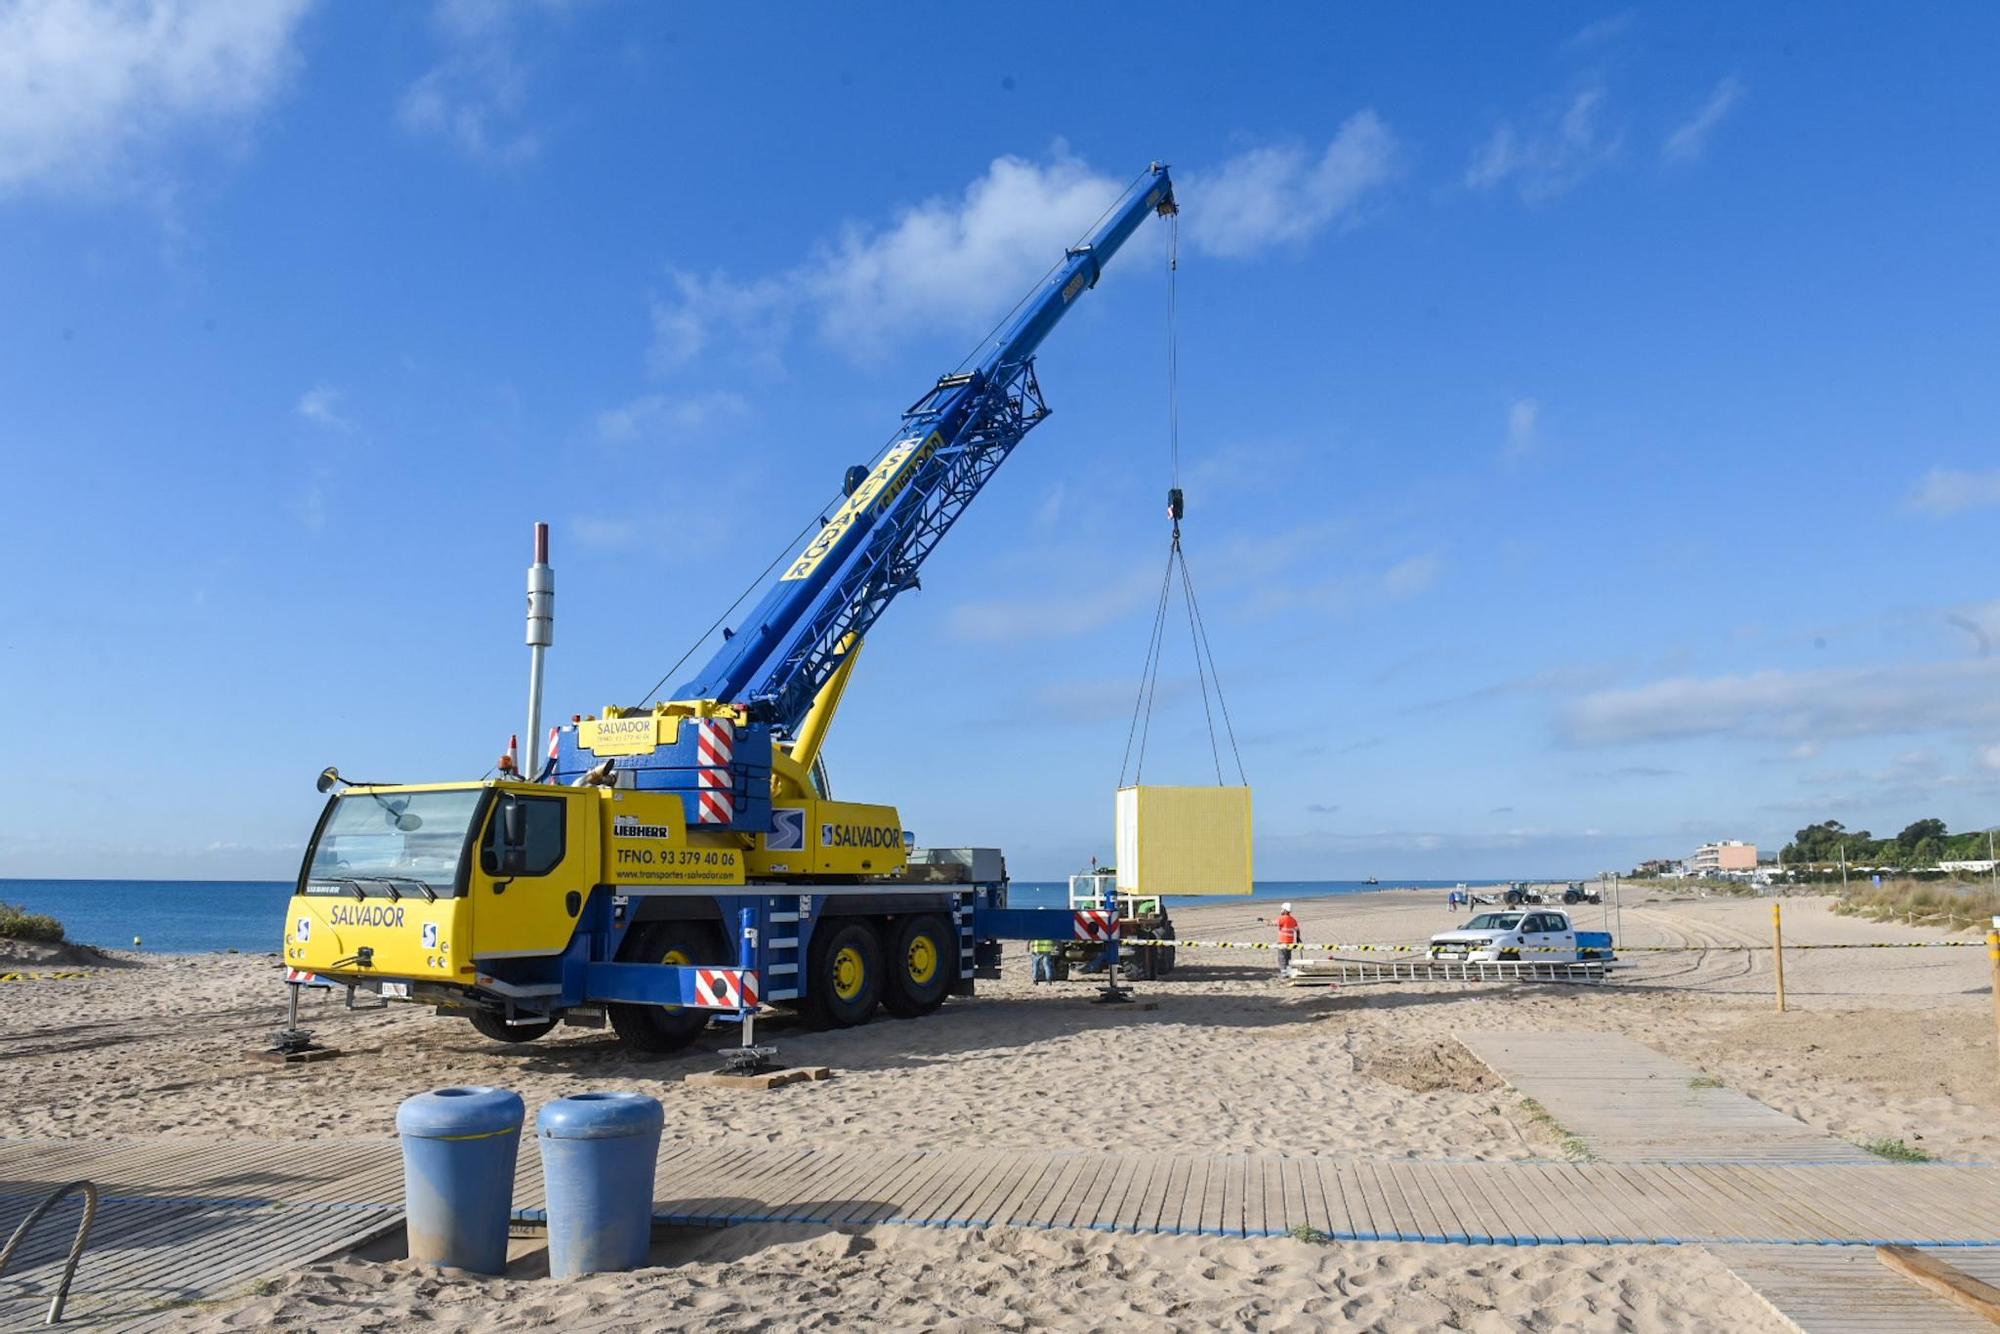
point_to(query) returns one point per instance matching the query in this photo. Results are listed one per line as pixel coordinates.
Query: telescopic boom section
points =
(952, 441)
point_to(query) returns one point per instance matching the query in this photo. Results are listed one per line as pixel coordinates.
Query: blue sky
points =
(1588, 415)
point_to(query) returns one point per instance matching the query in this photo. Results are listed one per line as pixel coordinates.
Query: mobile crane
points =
(686, 857)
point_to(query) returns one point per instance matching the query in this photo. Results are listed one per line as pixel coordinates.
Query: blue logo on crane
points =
(788, 830)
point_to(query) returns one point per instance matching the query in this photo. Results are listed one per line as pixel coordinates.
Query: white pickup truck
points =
(1532, 935)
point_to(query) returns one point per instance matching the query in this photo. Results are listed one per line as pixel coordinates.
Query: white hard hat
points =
(1286, 908)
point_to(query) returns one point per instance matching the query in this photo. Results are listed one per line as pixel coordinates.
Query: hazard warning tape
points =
(39, 977)
(1140, 943)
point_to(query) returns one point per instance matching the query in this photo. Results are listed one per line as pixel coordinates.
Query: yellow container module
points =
(1184, 840)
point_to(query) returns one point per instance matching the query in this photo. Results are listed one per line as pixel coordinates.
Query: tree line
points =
(1922, 844)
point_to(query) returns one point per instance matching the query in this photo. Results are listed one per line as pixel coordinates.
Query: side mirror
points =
(513, 836)
(327, 778)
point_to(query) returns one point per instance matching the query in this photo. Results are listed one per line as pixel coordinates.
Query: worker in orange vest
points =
(1288, 936)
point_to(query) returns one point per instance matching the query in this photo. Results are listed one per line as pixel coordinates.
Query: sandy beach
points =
(1879, 1043)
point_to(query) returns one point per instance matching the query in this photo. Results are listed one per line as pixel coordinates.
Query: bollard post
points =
(1778, 950)
(1993, 955)
(746, 962)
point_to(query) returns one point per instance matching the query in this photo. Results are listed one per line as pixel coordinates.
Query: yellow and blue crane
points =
(675, 859)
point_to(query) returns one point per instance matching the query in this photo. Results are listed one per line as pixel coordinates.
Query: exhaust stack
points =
(541, 631)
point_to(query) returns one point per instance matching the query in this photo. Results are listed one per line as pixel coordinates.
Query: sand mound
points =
(1427, 1067)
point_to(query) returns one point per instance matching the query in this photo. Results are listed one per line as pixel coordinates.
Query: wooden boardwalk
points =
(1846, 1290)
(179, 1221)
(186, 1219)
(1506, 1203)
(1631, 1104)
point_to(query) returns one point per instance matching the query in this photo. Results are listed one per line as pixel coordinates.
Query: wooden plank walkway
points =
(189, 1219)
(1631, 1104)
(1507, 1203)
(1846, 1290)
(181, 1221)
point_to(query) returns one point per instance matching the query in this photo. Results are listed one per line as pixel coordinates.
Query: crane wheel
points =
(490, 1025)
(663, 1028)
(846, 980)
(921, 966)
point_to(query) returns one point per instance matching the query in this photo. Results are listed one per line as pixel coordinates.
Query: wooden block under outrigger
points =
(765, 1079)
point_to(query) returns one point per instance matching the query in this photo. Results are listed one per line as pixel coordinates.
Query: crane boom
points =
(952, 441)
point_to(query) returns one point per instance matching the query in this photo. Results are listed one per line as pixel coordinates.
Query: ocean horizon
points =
(216, 916)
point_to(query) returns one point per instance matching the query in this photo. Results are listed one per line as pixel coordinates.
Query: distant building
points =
(1720, 858)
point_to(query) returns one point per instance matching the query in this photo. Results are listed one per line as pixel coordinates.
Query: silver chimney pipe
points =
(541, 634)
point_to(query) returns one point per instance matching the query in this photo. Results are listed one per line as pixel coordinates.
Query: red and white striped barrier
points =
(715, 746)
(1096, 924)
(725, 989)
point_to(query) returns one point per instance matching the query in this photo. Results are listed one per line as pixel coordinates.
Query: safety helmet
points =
(1286, 908)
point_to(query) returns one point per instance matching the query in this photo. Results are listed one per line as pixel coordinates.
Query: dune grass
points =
(1954, 907)
(20, 924)
(1896, 1150)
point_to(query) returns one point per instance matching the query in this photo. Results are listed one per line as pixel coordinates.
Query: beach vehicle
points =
(1532, 935)
(678, 859)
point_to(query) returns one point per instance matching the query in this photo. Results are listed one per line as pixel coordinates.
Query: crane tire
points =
(845, 984)
(657, 1029)
(920, 966)
(488, 1024)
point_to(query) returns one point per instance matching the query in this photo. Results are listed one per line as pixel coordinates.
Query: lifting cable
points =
(1204, 657)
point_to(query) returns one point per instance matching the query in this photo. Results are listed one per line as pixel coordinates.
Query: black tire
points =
(845, 984)
(1572, 896)
(664, 1028)
(1163, 955)
(489, 1024)
(1140, 964)
(921, 966)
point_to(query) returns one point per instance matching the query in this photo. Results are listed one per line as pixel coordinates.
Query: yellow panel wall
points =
(1184, 840)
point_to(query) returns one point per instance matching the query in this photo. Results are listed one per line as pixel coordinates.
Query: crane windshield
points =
(377, 839)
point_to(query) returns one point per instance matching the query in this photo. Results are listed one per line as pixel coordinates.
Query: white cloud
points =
(1810, 705)
(87, 85)
(1282, 195)
(1690, 139)
(1524, 415)
(474, 98)
(1550, 153)
(1099, 701)
(1947, 491)
(1601, 32)
(942, 264)
(1061, 614)
(602, 532)
(1350, 590)
(658, 417)
(1407, 578)
(320, 405)
(956, 263)
(1989, 757)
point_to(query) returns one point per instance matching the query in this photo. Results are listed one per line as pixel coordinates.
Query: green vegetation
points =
(1307, 1232)
(1704, 1082)
(1896, 1150)
(1817, 850)
(1572, 1146)
(1921, 903)
(20, 924)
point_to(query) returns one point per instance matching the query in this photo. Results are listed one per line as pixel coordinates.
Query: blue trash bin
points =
(459, 1146)
(598, 1154)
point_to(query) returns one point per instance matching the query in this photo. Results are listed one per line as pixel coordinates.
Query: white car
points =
(1533, 935)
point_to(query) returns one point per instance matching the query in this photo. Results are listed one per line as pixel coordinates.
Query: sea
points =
(213, 916)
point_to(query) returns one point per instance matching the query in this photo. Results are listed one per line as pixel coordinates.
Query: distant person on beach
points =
(1288, 936)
